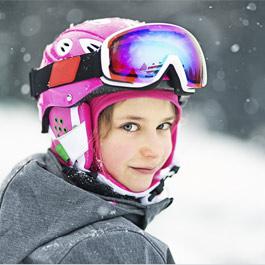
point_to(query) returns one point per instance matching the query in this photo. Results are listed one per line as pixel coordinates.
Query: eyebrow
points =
(137, 118)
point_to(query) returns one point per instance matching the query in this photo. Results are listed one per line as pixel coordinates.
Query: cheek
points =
(167, 146)
(116, 152)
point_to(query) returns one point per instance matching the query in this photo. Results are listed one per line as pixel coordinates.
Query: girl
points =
(109, 94)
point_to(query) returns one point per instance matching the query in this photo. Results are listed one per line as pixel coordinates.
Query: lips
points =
(144, 170)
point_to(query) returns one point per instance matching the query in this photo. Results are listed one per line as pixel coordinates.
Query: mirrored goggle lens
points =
(138, 55)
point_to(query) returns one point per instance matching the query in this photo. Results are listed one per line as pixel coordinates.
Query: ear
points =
(71, 131)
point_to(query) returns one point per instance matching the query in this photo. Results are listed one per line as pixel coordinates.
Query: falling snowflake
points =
(251, 7)
(103, 211)
(12, 51)
(251, 106)
(259, 25)
(26, 57)
(235, 48)
(217, 43)
(25, 89)
(244, 21)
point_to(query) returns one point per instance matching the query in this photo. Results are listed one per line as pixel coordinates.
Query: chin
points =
(140, 188)
(138, 182)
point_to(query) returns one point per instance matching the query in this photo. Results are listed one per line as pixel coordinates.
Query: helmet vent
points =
(90, 45)
(59, 126)
(90, 49)
(64, 46)
(96, 46)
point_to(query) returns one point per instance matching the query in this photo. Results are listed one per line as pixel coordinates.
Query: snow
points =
(219, 193)
(103, 211)
(251, 7)
(244, 21)
(26, 57)
(219, 200)
(251, 106)
(30, 25)
(25, 89)
(20, 135)
(235, 48)
(259, 24)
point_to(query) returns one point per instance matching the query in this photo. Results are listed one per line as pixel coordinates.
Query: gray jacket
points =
(44, 219)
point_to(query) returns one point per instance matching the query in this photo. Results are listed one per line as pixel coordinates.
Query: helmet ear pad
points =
(85, 116)
(60, 121)
(71, 130)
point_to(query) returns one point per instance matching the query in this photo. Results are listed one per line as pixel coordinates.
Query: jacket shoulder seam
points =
(118, 230)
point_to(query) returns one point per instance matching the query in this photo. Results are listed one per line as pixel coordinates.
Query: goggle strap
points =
(38, 80)
(90, 66)
(174, 81)
(64, 72)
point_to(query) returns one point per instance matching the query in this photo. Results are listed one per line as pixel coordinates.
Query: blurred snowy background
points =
(219, 211)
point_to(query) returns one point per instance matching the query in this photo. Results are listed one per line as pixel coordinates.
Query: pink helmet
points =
(70, 112)
(57, 107)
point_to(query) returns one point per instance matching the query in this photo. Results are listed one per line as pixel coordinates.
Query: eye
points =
(129, 127)
(64, 46)
(167, 126)
(89, 45)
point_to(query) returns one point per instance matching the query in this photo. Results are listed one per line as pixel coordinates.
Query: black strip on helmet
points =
(89, 67)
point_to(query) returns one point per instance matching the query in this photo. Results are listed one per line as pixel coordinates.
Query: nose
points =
(151, 147)
(148, 152)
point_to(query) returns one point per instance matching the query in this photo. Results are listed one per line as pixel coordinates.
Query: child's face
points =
(140, 142)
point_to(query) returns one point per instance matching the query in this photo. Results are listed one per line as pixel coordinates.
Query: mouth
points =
(144, 170)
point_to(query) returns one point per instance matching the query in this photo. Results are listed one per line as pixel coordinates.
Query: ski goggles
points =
(136, 57)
